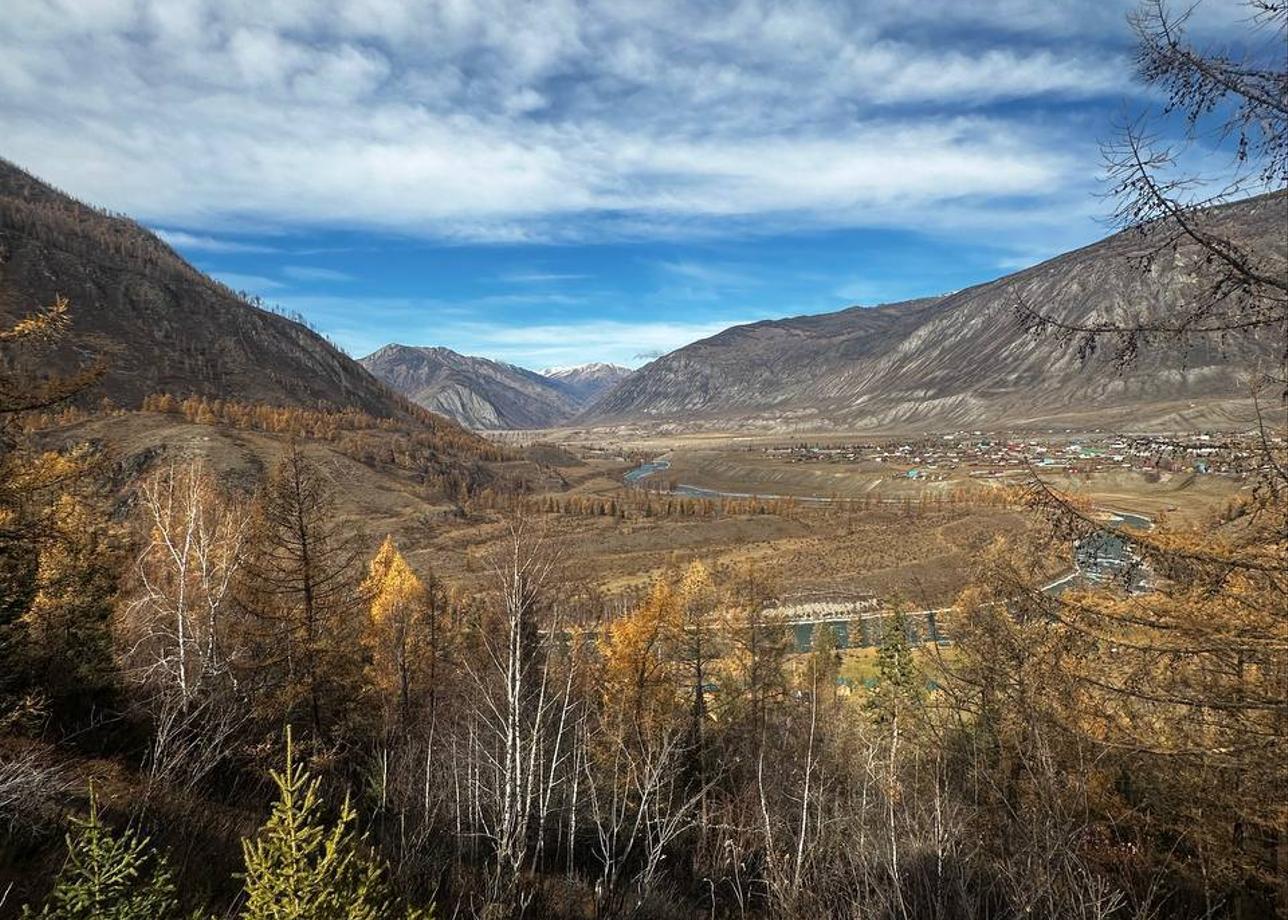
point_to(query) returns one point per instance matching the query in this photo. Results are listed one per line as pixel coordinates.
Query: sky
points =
(549, 182)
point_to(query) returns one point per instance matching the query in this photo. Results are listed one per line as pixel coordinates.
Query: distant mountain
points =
(487, 394)
(159, 323)
(962, 360)
(476, 392)
(587, 382)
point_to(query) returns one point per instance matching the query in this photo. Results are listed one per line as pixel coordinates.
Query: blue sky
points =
(552, 182)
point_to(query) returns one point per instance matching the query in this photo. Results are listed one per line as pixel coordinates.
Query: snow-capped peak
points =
(581, 370)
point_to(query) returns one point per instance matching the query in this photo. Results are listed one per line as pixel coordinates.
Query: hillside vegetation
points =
(276, 644)
(156, 323)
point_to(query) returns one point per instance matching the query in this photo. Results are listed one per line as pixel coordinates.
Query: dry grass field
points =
(924, 558)
(921, 554)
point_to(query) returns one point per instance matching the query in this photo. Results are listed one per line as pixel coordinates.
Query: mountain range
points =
(960, 360)
(963, 360)
(486, 394)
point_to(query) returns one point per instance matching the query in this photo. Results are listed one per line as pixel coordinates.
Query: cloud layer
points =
(553, 181)
(514, 120)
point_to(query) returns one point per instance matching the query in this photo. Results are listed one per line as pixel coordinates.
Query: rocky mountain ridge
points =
(964, 361)
(477, 392)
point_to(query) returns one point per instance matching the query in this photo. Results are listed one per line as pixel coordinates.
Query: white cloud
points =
(991, 76)
(541, 277)
(712, 275)
(313, 273)
(362, 324)
(625, 343)
(185, 241)
(517, 121)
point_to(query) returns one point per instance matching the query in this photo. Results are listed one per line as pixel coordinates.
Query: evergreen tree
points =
(108, 877)
(899, 682)
(299, 868)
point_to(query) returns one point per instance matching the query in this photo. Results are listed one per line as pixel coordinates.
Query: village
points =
(981, 455)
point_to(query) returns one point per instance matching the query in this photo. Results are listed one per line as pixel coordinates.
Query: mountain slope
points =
(160, 324)
(475, 391)
(963, 361)
(587, 382)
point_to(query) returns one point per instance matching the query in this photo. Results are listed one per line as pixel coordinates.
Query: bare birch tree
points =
(520, 714)
(173, 628)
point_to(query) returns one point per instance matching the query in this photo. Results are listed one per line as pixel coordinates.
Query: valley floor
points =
(880, 532)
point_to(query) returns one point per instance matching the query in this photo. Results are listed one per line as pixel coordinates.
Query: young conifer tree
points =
(301, 868)
(825, 659)
(900, 685)
(108, 876)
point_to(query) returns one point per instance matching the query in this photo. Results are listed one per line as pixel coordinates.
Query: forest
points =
(222, 701)
(280, 723)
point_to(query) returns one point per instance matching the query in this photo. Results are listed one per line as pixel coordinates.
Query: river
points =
(645, 470)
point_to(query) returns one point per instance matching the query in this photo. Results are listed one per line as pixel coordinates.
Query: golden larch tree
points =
(398, 635)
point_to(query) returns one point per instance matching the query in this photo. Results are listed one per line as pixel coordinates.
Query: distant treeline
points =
(638, 503)
(324, 424)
